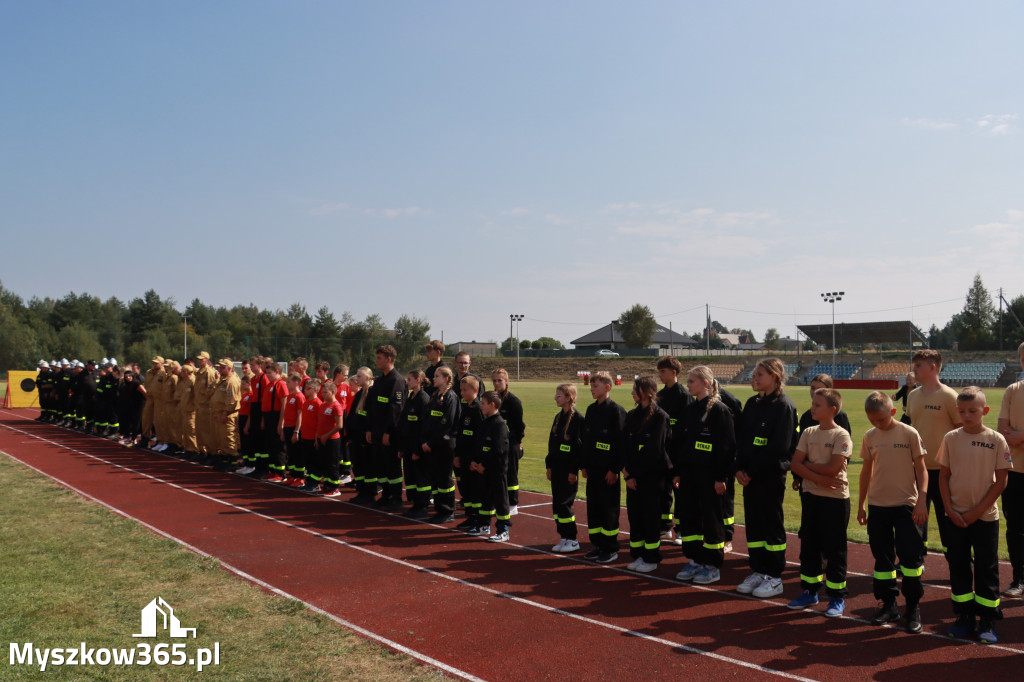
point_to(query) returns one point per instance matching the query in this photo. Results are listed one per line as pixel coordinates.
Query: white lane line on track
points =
(577, 560)
(402, 562)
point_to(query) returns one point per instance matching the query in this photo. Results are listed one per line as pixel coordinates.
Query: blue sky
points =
(462, 160)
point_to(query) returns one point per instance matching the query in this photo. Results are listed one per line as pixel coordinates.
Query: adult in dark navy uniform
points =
(511, 411)
(673, 399)
(385, 401)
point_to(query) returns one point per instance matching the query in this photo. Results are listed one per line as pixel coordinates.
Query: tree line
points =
(85, 327)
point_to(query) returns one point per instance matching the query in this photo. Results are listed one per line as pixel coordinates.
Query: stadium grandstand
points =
(971, 373)
(890, 370)
(791, 369)
(726, 373)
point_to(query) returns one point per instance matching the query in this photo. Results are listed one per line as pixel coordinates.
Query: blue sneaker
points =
(987, 632)
(803, 601)
(689, 570)
(836, 607)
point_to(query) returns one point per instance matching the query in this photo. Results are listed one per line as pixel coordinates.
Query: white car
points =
(605, 353)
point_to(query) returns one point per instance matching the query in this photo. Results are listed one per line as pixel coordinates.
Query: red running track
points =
(515, 610)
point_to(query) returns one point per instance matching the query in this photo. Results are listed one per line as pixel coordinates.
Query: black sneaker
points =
(592, 554)
(441, 518)
(607, 557)
(963, 628)
(393, 506)
(417, 513)
(888, 613)
(914, 619)
(467, 524)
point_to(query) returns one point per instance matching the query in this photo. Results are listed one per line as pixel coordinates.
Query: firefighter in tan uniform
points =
(206, 380)
(186, 395)
(152, 380)
(224, 406)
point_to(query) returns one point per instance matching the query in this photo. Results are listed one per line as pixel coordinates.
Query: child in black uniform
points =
(417, 475)
(489, 462)
(703, 464)
(563, 466)
(602, 433)
(645, 469)
(469, 481)
(437, 442)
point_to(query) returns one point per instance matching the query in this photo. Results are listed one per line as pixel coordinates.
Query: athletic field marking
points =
(242, 574)
(539, 504)
(576, 560)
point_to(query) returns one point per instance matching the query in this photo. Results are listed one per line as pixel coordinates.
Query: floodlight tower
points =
(517, 319)
(832, 297)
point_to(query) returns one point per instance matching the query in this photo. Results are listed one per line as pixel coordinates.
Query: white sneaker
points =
(571, 546)
(560, 547)
(245, 471)
(633, 566)
(645, 567)
(751, 582)
(513, 510)
(771, 587)
(347, 478)
(707, 575)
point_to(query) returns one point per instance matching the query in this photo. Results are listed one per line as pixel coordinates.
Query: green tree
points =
(771, 337)
(548, 342)
(637, 326)
(411, 335)
(973, 325)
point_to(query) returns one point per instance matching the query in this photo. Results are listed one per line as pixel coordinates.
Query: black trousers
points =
(417, 477)
(983, 538)
(766, 529)
(935, 498)
(563, 495)
(603, 512)
(302, 465)
(388, 466)
(515, 452)
(1013, 513)
(256, 440)
(699, 517)
(276, 460)
(823, 522)
(328, 458)
(295, 470)
(472, 487)
(363, 472)
(666, 509)
(494, 494)
(729, 508)
(442, 482)
(891, 534)
(643, 509)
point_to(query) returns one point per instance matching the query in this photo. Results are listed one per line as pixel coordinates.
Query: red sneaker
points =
(273, 478)
(296, 482)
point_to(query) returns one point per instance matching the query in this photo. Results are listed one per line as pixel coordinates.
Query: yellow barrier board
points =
(21, 390)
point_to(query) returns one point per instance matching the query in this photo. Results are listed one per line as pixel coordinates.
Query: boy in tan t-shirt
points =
(1011, 425)
(894, 479)
(932, 411)
(820, 460)
(974, 461)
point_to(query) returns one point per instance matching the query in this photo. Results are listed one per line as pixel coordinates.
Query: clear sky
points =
(462, 161)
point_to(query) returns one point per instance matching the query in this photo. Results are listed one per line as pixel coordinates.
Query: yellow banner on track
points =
(21, 390)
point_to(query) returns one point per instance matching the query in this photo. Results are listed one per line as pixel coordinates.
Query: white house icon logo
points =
(150, 622)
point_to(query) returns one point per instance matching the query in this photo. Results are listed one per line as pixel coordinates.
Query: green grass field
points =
(539, 408)
(74, 572)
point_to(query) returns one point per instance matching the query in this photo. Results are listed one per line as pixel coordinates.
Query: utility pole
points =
(832, 297)
(515, 318)
(185, 317)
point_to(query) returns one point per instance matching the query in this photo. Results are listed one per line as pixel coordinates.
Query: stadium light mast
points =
(185, 334)
(832, 297)
(517, 319)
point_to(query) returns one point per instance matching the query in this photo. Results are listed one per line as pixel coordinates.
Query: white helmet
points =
(43, 364)
(64, 362)
(113, 362)
(78, 363)
(104, 361)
